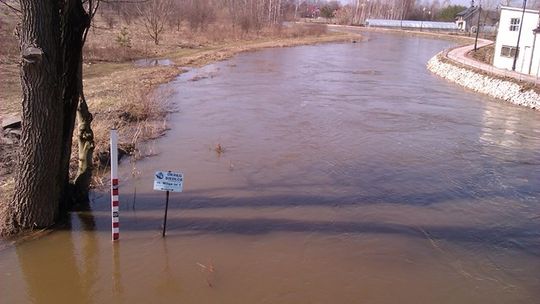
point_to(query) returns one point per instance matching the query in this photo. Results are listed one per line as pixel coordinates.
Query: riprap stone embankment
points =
(520, 93)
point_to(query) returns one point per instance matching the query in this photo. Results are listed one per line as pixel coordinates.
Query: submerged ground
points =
(350, 174)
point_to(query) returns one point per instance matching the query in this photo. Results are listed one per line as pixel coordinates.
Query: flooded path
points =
(350, 175)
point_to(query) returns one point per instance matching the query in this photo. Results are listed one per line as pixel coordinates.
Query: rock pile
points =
(504, 89)
(11, 129)
(10, 135)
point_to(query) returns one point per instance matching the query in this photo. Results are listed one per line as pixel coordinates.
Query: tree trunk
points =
(75, 21)
(51, 40)
(86, 151)
(35, 202)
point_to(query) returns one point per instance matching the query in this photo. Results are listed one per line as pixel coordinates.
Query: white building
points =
(528, 51)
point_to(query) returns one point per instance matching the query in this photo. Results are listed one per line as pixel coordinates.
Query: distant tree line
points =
(358, 11)
(254, 15)
(156, 15)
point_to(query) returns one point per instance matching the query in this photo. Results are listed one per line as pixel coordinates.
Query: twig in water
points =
(431, 240)
(219, 149)
(206, 268)
(209, 270)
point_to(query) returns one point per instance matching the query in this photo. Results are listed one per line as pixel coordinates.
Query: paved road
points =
(459, 54)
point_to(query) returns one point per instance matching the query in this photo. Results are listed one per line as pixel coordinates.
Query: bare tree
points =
(175, 16)
(154, 15)
(199, 13)
(255, 14)
(345, 15)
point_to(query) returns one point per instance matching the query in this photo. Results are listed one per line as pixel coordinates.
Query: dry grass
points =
(10, 48)
(484, 54)
(7, 185)
(10, 89)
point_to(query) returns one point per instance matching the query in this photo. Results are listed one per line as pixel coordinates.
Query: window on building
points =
(509, 51)
(514, 24)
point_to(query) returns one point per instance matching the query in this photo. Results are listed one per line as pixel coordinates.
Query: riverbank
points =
(464, 72)
(504, 88)
(458, 38)
(124, 95)
(471, 73)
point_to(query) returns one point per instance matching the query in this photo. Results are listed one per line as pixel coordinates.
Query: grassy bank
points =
(123, 94)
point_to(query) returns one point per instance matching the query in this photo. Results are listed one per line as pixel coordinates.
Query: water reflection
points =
(511, 140)
(152, 62)
(167, 282)
(90, 251)
(513, 133)
(61, 271)
(52, 275)
(117, 286)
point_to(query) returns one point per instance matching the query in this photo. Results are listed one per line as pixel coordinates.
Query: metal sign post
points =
(115, 210)
(170, 182)
(165, 218)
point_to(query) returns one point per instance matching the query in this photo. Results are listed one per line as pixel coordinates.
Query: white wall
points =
(509, 38)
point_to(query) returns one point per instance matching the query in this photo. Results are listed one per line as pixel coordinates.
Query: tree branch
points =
(13, 8)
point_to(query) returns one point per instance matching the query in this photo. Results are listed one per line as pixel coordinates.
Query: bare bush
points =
(128, 13)
(199, 14)
(301, 30)
(344, 15)
(112, 53)
(154, 14)
(176, 16)
(109, 18)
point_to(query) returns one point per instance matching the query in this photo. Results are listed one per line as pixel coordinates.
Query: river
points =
(350, 174)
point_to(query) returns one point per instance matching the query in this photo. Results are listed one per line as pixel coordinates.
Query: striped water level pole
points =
(114, 186)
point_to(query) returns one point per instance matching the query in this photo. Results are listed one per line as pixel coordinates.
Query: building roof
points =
(519, 9)
(468, 12)
(412, 24)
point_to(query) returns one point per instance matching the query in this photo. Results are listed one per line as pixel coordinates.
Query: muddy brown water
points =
(350, 175)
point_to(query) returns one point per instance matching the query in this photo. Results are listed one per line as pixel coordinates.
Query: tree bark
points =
(35, 202)
(86, 151)
(75, 21)
(52, 35)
